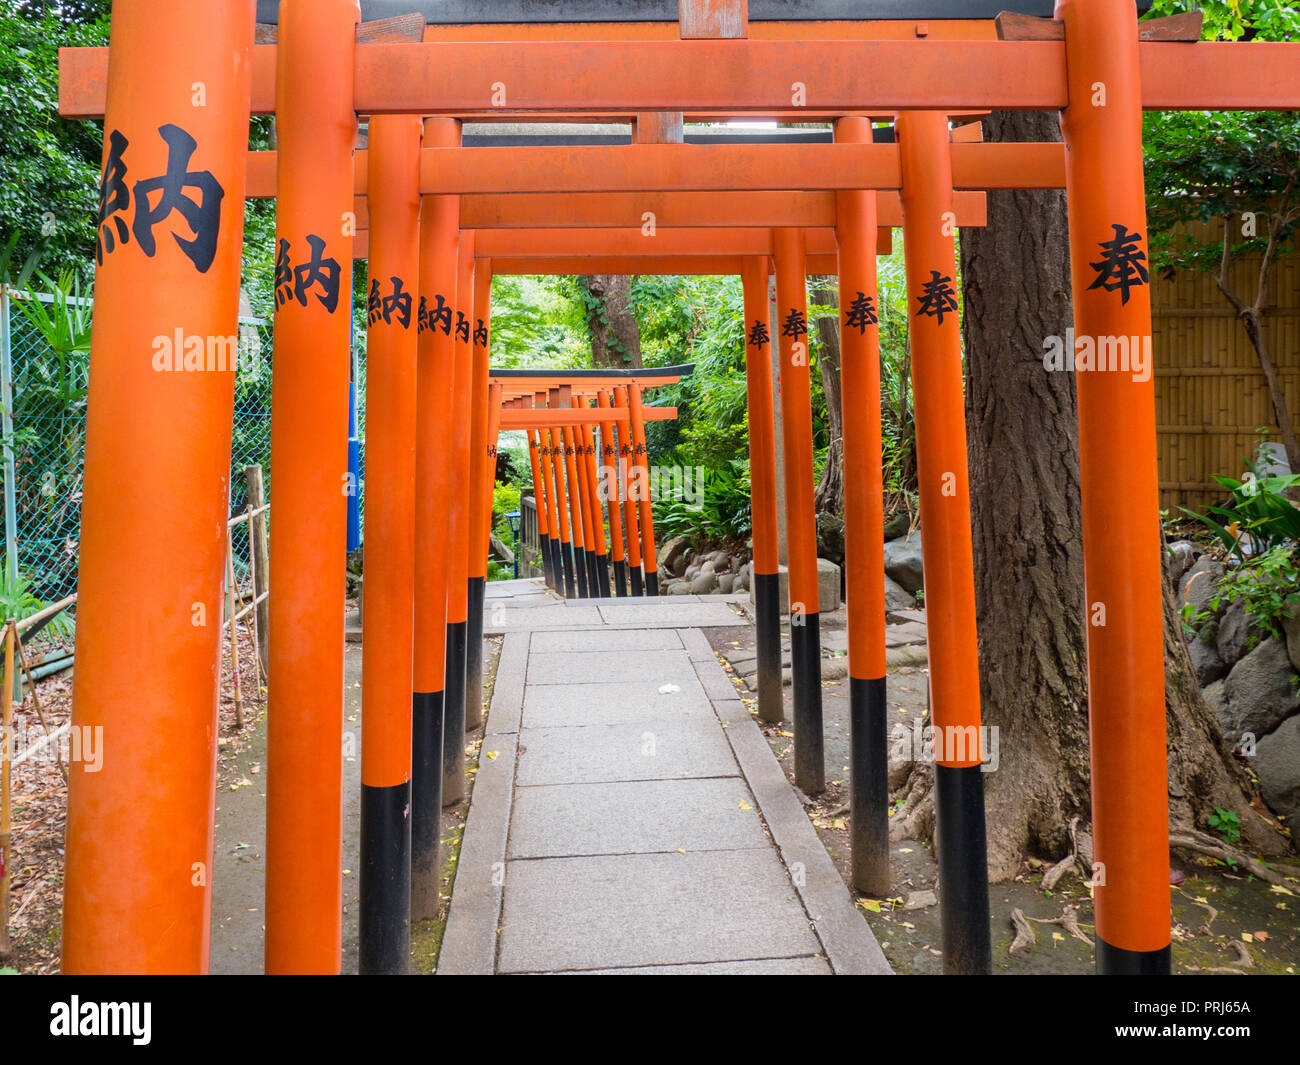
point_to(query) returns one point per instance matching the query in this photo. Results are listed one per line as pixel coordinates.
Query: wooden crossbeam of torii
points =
(745, 77)
(515, 418)
(664, 168)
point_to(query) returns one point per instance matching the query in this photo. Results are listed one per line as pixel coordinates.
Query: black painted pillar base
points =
(580, 570)
(426, 802)
(453, 729)
(602, 575)
(620, 578)
(652, 583)
(566, 557)
(1116, 961)
(557, 568)
(962, 853)
(544, 549)
(767, 611)
(806, 674)
(869, 786)
(385, 919)
(593, 575)
(638, 588)
(476, 597)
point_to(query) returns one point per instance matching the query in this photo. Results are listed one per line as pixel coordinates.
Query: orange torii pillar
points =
(609, 485)
(439, 235)
(628, 479)
(581, 531)
(540, 506)
(552, 542)
(1117, 471)
(864, 520)
(762, 488)
(930, 252)
(554, 457)
(597, 555)
(492, 447)
(641, 479)
(801, 522)
(316, 128)
(481, 480)
(393, 181)
(457, 435)
(137, 897)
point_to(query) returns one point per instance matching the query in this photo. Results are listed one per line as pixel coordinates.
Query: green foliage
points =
(1226, 823)
(1222, 167)
(1267, 586)
(49, 167)
(722, 513)
(17, 602)
(505, 498)
(1259, 516)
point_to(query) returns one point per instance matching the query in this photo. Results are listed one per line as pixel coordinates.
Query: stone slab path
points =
(628, 816)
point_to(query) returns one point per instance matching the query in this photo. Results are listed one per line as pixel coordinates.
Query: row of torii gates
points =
(176, 88)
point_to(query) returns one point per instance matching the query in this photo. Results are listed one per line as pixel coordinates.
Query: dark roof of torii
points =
(459, 12)
(561, 375)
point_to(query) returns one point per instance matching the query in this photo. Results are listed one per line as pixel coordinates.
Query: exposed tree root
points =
(1188, 839)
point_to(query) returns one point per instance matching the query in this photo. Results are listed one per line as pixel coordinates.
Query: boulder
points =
(720, 560)
(1198, 583)
(1206, 660)
(726, 582)
(708, 566)
(897, 597)
(680, 588)
(691, 572)
(897, 525)
(1277, 764)
(1182, 555)
(1236, 634)
(1291, 630)
(704, 583)
(677, 547)
(903, 561)
(742, 578)
(1260, 692)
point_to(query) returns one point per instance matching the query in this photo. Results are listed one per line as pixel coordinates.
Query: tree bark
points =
(615, 335)
(1022, 432)
(829, 498)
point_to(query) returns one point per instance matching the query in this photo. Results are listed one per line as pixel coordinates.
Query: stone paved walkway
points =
(628, 815)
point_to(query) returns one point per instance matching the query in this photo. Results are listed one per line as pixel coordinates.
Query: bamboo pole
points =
(6, 762)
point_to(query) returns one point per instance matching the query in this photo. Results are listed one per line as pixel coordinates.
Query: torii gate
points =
(176, 107)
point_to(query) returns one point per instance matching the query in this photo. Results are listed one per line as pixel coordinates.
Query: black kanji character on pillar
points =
(283, 274)
(374, 305)
(758, 334)
(398, 305)
(462, 326)
(1121, 266)
(440, 315)
(481, 334)
(795, 324)
(937, 298)
(114, 197)
(318, 271)
(203, 216)
(861, 313)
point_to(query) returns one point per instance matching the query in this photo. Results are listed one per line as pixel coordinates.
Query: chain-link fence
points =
(48, 442)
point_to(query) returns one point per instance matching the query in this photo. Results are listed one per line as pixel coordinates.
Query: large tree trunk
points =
(830, 489)
(615, 336)
(1022, 434)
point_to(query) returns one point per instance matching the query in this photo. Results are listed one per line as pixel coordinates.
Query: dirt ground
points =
(1224, 920)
